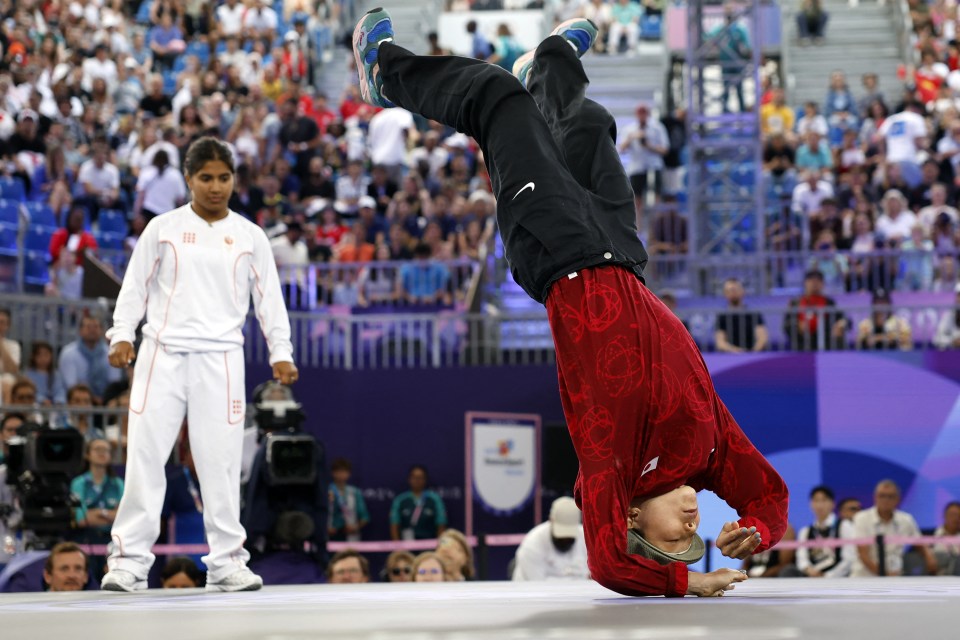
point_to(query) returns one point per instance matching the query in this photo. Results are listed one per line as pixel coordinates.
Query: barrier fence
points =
(482, 542)
(421, 336)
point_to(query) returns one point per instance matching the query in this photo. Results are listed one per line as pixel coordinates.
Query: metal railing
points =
(906, 38)
(451, 339)
(430, 336)
(782, 271)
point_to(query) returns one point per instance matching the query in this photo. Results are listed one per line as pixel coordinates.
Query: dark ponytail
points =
(161, 161)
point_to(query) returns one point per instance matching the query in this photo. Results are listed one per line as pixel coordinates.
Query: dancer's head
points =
(664, 527)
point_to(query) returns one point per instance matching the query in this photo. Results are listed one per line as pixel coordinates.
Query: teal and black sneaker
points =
(522, 67)
(373, 29)
(579, 32)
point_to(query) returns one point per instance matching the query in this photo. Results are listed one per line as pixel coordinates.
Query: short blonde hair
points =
(468, 570)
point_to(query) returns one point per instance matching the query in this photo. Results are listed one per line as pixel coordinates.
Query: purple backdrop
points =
(847, 419)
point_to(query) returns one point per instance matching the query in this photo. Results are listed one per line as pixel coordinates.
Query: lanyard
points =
(415, 518)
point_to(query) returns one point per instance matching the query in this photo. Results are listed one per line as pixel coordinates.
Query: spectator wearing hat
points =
(554, 550)
(647, 143)
(882, 329)
(26, 137)
(293, 63)
(376, 225)
(812, 322)
(948, 329)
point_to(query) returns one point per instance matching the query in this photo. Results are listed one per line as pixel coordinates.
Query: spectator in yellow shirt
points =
(776, 116)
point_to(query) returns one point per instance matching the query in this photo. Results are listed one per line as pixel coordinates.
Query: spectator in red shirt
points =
(802, 324)
(322, 112)
(72, 236)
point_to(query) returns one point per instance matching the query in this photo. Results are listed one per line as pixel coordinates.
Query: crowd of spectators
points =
(850, 521)
(99, 100)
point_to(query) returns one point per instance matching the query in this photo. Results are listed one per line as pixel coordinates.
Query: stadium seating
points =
(41, 215)
(12, 188)
(113, 221)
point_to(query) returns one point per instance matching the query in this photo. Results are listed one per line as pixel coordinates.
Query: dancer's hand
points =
(285, 372)
(713, 584)
(121, 355)
(737, 542)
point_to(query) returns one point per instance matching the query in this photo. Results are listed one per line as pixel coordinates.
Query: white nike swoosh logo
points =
(529, 185)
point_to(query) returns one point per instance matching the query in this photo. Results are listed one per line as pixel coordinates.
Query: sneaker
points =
(120, 580)
(579, 32)
(522, 67)
(242, 580)
(374, 28)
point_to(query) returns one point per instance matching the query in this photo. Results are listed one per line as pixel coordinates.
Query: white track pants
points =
(207, 388)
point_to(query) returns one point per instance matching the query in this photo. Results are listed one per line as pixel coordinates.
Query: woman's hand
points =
(121, 355)
(737, 542)
(713, 584)
(285, 372)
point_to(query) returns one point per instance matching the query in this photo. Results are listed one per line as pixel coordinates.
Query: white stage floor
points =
(874, 609)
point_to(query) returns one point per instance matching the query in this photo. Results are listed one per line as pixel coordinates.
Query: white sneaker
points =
(120, 580)
(241, 580)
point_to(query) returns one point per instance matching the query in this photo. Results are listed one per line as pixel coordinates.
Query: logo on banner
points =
(504, 460)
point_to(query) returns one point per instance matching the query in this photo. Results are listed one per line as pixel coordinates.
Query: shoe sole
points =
(360, 62)
(566, 25)
(119, 588)
(249, 587)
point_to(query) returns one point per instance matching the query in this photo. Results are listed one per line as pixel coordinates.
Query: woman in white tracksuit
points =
(193, 272)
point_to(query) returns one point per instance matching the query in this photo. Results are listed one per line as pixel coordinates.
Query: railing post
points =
(881, 556)
(483, 556)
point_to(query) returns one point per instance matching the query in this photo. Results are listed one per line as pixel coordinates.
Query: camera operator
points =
(9, 512)
(286, 498)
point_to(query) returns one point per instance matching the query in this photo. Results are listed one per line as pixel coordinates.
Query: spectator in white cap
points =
(554, 550)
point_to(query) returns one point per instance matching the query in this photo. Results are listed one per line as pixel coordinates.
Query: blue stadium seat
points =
(8, 240)
(110, 240)
(199, 49)
(113, 221)
(12, 188)
(143, 12)
(10, 212)
(170, 82)
(37, 239)
(180, 63)
(41, 215)
(36, 269)
(651, 27)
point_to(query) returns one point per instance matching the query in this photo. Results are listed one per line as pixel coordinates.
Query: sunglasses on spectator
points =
(430, 572)
(396, 571)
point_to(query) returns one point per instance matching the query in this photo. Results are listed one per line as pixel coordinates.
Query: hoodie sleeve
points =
(605, 531)
(747, 482)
